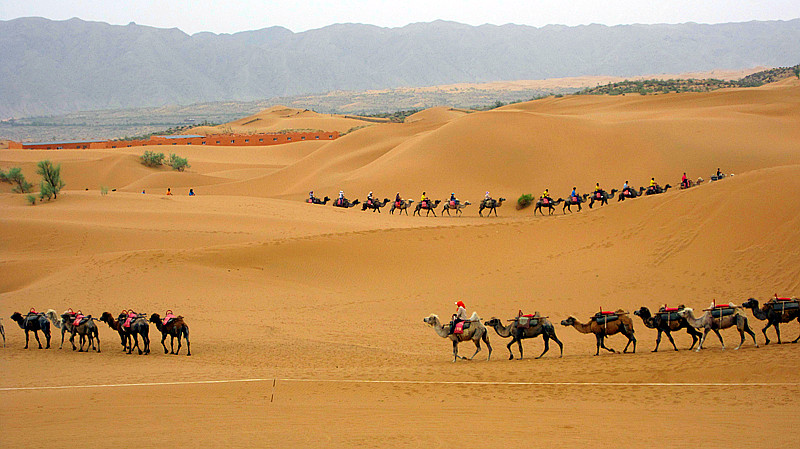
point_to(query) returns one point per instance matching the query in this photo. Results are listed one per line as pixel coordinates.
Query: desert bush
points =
(15, 176)
(152, 159)
(103, 190)
(524, 201)
(797, 72)
(51, 179)
(31, 199)
(177, 162)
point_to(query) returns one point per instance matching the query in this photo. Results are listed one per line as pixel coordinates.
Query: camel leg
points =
(546, 345)
(778, 331)
(72, 340)
(519, 344)
(552, 333)
(508, 346)
(485, 338)
(695, 336)
(26, 338)
(603, 344)
(716, 331)
(36, 334)
(172, 344)
(477, 348)
(97, 337)
(764, 331)
(703, 339)
(179, 343)
(658, 340)
(669, 335)
(793, 341)
(746, 329)
(63, 331)
(455, 350)
(164, 337)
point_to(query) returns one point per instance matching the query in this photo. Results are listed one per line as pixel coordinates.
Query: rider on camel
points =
(684, 181)
(459, 316)
(397, 199)
(546, 196)
(311, 196)
(625, 188)
(653, 185)
(574, 194)
(369, 198)
(453, 199)
(424, 201)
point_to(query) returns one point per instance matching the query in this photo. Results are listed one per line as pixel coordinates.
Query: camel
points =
(33, 322)
(490, 204)
(548, 203)
(630, 193)
(115, 324)
(709, 323)
(623, 325)
(402, 206)
(458, 207)
(427, 206)
(138, 326)
(86, 330)
(318, 201)
(175, 328)
(3, 331)
(476, 332)
(602, 196)
(657, 189)
(666, 326)
(543, 327)
(344, 203)
(574, 201)
(772, 316)
(374, 205)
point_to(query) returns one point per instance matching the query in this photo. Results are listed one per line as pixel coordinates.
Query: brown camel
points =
(375, 205)
(623, 324)
(539, 326)
(775, 313)
(402, 206)
(601, 196)
(667, 322)
(113, 323)
(174, 328)
(630, 193)
(458, 207)
(709, 323)
(548, 203)
(476, 332)
(428, 206)
(491, 204)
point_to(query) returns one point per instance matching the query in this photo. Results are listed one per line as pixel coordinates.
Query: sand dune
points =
(275, 288)
(280, 118)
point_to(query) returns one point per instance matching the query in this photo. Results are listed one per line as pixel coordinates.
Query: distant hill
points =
(51, 67)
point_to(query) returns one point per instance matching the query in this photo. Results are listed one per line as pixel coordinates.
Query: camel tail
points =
(53, 316)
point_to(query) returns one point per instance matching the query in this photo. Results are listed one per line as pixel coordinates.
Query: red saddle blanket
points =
(452, 204)
(168, 318)
(398, 203)
(627, 192)
(598, 195)
(460, 327)
(545, 201)
(128, 321)
(574, 199)
(78, 320)
(309, 201)
(424, 205)
(339, 202)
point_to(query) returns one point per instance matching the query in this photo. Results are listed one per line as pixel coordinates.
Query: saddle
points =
(369, 202)
(168, 318)
(545, 201)
(461, 326)
(605, 317)
(526, 321)
(722, 310)
(784, 305)
(626, 192)
(574, 199)
(669, 314)
(80, 319)
(339, 202)
(453, 204)
(398, 204)
(598, 195)
(130, 319)
(425, 204)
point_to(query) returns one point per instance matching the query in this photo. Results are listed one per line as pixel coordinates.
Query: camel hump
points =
(474, 317)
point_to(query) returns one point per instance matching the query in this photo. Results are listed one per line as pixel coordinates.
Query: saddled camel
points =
(402, 206)
(629, 193)
(428, 206)
(774, 314)
(667, 326)
(318, 201)
(491, 204)
(175, 328)
(708, 323)
(623, 325)
(601, 196)
(87, 330)
(657, 189)
(458, 207)
(574, 201)
(138, 326)
(546, 203)
(375, 205)
(476, 332)
(33, 322)
(542, 327)
(344, 203)
(115, 324)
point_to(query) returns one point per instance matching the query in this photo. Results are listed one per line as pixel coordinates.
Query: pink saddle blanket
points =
(128, 321)
(545, 201)
(459, 328)
(452, 204)
(598, 195)
(77, 321)
(574, 199)
(398, 203)
(168, 318)
(671, 309)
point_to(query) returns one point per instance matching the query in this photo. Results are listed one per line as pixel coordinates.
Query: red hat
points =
(461, 304)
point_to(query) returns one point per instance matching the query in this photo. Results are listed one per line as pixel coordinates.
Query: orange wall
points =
(211, 140)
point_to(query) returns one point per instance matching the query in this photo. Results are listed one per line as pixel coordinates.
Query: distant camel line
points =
(416, 382)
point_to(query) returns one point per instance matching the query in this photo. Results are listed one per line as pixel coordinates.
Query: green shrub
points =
(152, 159)
(797, 72)
(51, 179)
(15, 176)
(103, 190)
(524, 201)
(31, 200)
(177, 162)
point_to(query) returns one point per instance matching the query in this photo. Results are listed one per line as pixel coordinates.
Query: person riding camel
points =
(369, 198)
(311, 196)
(546, 196)
(459, 316)
(574, 195)
(684, 181)
(398, 200)
(626, 189)
(340, 201)
(453, 199)
(424, 201)
(597, 190)
(653, 184)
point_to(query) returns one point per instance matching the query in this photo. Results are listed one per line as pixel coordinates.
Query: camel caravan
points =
(455, 207)
(606, 323)
(129, 325)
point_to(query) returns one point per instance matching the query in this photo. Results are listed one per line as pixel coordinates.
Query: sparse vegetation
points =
(15, 176)
(31, 200)
(103, 190)
(524, 201)
(152, 159)
(177, 162)
(51, 180)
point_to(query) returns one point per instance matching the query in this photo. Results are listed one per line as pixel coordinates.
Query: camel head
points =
(685, 312)
(751, 303)
(17, 317)
(493, 322)
(431, 320)
(106, 317)
(569, 321)
(643, 312)
(154, 318)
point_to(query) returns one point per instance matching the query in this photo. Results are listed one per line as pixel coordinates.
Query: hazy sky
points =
(229, 16)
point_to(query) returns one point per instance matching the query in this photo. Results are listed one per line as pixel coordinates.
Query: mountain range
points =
(54, 67)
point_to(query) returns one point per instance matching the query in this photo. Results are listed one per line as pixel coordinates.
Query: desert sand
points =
(317, 312)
